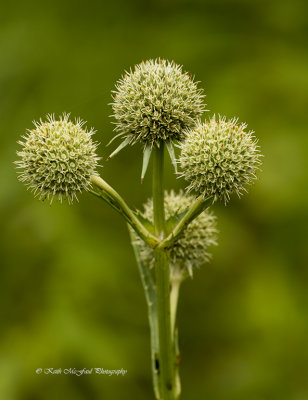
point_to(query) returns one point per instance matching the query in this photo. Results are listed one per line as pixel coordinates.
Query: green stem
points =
(164, 325)
(158, 191)
(113, 198)
(162, 274)
(196, 209)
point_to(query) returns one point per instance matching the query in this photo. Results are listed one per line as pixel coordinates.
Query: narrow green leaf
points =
(146, 158)
(170, 149)
(147, 223)
(145, 274)
(151, 298)
(114, 138)
(172, 221)
(118, 149)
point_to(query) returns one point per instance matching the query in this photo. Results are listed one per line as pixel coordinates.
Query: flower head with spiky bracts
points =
(57, 158)
(219, 157)
(155, 103)
(191, 249)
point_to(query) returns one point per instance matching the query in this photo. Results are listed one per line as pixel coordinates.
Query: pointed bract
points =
(145, 162)
(119, 148)
(170, 149)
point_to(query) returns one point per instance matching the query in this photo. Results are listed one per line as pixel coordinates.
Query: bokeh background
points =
(70, 294)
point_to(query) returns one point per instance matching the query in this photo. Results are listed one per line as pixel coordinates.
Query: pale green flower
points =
(156, 102)
(219, 157)
(57, 158)
(191, 249)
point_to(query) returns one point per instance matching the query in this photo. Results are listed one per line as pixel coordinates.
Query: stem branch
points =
(108, 194)
(196, 209)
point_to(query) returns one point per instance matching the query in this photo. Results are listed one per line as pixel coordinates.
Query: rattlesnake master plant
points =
(219, 157)
(57, 158)
(157, 104)
(191, 249)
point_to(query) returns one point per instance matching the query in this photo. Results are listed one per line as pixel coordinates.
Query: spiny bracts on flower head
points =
(219, 157)
(57, 159)
(156, 102)
(191, 249)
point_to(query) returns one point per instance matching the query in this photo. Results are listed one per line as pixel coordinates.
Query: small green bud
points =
(219, 158)
(57, 158)
(191, 249)
(156, 102)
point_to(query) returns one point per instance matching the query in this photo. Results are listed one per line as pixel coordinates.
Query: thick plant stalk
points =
(162, 274)
(158, 191)
(166, 358)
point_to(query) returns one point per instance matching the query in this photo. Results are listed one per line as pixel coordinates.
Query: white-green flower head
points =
(57, 158)
(156, 103)
(191, 249)
(218, 158)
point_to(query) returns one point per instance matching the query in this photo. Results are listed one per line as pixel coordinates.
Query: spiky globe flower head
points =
(57, 158)
(219, 157)
(156, 102)
(191, 249)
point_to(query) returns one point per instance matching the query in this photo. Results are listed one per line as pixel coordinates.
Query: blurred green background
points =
(70, 293)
